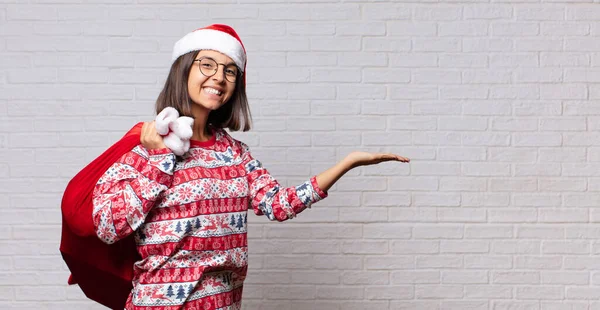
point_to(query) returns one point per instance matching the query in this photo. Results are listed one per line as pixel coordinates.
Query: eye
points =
(207, 65)
(231, 71)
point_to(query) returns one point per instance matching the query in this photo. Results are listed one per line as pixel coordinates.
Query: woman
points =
(189, 212)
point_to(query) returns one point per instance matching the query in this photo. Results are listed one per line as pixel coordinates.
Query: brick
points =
(389, 262)
(437, 232)
(413, 247)
(315, 277)
(439, 261)
(389, 292)
(546, 262)
(487, 45)
(488, 292)
(417, 60)
(537, 292)
(463, 61)
(487, 262)
(515, 277)
(488, 232)
(407, 28)
(485, 199)
(515, 29)
(385, 11)
(465, 277)
(582, 293)
(462, 154)
(565, 247)
(452, 246)
(386, 44)
(415, 277)
(565, 278)
(562, 59)
(510, 215)
(421, 214)
(365, 247)
(360, 28)
(537, 232)
(513, 184)
(339, 262)
(490, 107)
(435, 108)
(547, 13)
(486, 169)
(513, 60)
(514, 92)
(487, 11)
(554, 28)
(386, 231)
(332, 292)
(439, 292)
(462, 29)
(439, 200)
(370, 278)
(462, 184)
(439, 45)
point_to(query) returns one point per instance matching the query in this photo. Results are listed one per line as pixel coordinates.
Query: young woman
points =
(188, 213)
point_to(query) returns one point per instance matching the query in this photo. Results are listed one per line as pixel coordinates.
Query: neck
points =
(200, 128)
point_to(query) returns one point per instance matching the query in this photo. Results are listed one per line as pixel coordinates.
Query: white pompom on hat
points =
(217, 37)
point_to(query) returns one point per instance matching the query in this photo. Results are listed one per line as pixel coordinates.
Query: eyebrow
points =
(227, 64)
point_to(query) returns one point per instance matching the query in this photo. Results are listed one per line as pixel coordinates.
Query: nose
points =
(219, 76)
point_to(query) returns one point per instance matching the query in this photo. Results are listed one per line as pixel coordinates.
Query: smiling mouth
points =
(212, 91)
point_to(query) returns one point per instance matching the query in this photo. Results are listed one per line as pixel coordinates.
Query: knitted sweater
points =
(189, 218)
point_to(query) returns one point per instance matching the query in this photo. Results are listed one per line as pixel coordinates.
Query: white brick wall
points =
(496, 104)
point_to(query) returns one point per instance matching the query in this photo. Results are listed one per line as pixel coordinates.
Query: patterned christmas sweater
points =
(189, 216)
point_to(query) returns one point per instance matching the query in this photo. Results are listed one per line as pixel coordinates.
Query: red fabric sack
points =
(103, 272)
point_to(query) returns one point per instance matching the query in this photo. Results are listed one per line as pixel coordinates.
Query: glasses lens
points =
(231, 73)
(208, 67)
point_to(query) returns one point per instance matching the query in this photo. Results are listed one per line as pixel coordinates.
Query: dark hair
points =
(234, 114)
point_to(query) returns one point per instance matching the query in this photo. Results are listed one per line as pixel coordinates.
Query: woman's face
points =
(211, 92)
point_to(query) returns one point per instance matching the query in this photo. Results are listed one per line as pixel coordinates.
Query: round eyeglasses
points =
(209, 67)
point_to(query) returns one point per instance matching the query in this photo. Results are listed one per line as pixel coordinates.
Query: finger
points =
(403, 159)
(396, 157)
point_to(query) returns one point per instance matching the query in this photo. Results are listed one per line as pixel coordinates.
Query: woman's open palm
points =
(365, 158)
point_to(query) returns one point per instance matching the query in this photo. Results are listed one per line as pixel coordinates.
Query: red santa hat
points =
(217, 37)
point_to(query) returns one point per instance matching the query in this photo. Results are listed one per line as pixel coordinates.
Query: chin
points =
(212, 107)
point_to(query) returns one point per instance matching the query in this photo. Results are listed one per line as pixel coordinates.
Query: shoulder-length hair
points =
(234, 114)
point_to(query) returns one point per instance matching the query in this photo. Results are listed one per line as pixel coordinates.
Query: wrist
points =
(348, 164)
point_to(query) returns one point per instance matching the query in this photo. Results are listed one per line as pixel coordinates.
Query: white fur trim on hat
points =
(209, 39)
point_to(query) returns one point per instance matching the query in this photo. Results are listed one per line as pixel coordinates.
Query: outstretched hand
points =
(365, 159)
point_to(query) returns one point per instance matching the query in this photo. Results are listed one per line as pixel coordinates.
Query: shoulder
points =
(227, 141)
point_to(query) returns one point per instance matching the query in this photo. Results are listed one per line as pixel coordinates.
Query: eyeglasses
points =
(209, 67)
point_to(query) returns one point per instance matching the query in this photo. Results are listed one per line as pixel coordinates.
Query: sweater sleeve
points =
(268, 198)
(128, 190)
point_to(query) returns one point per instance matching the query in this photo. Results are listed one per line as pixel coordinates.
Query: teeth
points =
(212, 91)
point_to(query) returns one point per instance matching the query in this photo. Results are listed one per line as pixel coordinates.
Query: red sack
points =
(103, 272)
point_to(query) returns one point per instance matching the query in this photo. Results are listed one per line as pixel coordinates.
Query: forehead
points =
(218, 56)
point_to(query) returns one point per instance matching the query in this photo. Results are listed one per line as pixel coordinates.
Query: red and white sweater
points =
(189, 217)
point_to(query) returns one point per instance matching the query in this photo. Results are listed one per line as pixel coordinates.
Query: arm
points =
(327, 178)
(267, 197)
(128, 190)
